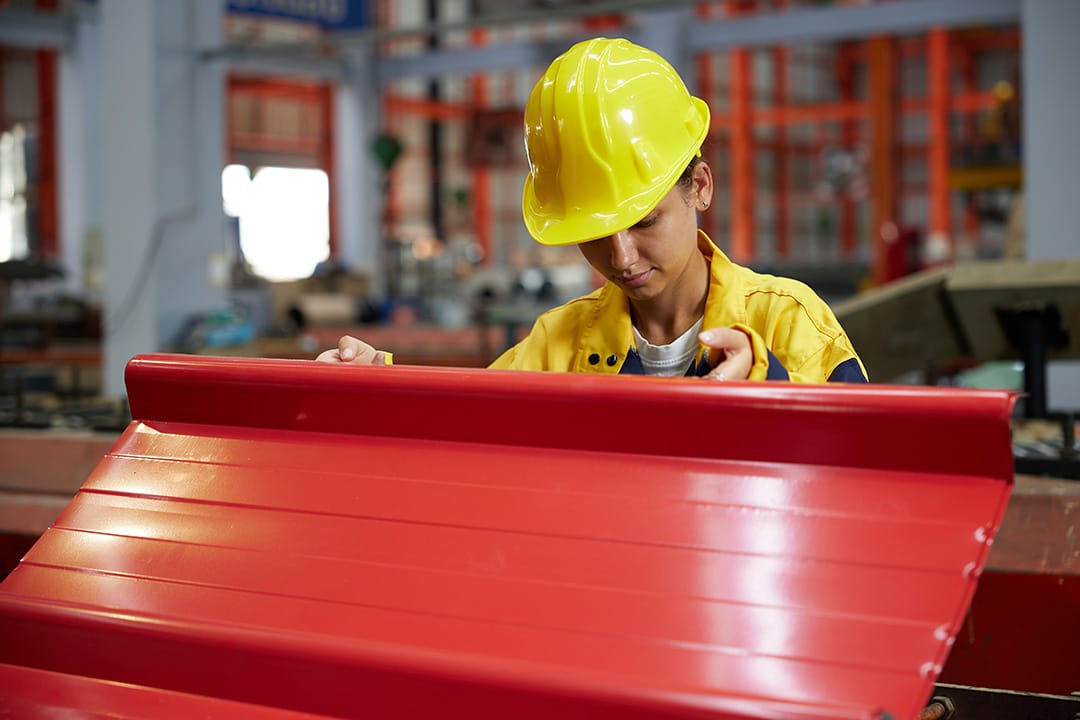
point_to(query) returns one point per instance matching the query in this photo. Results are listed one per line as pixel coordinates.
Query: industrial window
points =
(284, 218)
(14, 241)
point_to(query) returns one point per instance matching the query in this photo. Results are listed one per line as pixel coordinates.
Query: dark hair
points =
(688, 174)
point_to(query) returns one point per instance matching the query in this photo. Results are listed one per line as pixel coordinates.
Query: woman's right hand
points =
(352, 351)
(731, 353)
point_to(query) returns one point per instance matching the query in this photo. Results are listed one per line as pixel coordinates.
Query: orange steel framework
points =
(706, 81)
(781, 58)
(740, 134)
(849, 134)
(938, 52)
(945, 51)
(47, 187)
(481, 182)
(882, 108)
(882, 61)
(46, 81)
(876, 116)
(879, 112)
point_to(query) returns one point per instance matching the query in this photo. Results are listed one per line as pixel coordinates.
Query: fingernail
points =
(705, 336)
(347, 353)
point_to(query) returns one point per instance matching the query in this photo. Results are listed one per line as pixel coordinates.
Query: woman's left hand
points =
(731, 354)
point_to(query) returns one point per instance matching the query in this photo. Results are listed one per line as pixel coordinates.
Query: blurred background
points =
(251, 177)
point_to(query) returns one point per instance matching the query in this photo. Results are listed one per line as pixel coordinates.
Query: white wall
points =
(190, 107)
(357, 181)
(1051, 120)
(1051, 109)
(79, 127)
(127, 179)
(159, 174)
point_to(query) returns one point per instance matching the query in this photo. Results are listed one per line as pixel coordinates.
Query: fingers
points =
(352, 351)
(358, 352)
(731, 354)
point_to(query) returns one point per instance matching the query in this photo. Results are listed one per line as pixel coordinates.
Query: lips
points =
(634, 281)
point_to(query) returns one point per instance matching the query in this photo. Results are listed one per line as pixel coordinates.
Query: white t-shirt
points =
(672, 359)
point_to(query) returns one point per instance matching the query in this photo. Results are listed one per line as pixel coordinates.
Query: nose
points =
(624, 252)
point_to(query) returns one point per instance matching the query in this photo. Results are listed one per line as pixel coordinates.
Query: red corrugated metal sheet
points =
(405, 542)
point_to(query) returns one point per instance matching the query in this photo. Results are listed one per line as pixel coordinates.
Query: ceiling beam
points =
(805, 26)
(791, 27)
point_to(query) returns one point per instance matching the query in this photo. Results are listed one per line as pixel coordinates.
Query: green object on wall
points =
(387, 149)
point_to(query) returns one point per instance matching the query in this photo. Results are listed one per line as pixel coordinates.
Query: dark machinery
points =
(944, 319)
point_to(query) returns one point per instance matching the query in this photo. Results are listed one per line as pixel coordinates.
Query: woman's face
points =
(656, 254)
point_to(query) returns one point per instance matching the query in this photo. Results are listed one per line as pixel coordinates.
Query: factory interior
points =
(224, 188)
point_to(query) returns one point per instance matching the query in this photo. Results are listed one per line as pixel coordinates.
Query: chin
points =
(645, 292)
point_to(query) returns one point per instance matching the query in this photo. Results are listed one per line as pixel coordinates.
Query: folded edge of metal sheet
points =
(937, 439)
(906, 428)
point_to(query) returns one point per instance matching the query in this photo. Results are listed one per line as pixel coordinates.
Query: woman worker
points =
(613, 139)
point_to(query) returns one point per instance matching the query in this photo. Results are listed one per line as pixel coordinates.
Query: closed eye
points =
(646, 221)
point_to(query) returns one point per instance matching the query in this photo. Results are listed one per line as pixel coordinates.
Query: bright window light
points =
(284, 218)
(235, 189)
(14, 241)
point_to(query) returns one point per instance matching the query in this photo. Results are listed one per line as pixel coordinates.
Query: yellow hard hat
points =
(609, 129)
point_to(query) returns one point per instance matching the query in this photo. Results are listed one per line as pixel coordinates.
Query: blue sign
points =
(331, 14)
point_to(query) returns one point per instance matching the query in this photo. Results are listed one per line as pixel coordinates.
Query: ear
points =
(701, 185)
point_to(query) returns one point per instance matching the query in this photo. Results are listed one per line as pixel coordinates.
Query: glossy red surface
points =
(1021, 633)
(404, 542)
(30, 693)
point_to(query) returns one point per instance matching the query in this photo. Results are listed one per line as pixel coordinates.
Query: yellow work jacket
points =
(793, 333)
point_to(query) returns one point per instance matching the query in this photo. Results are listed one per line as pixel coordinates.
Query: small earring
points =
(704, 205)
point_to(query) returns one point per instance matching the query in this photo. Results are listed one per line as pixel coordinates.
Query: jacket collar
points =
(725, 282)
